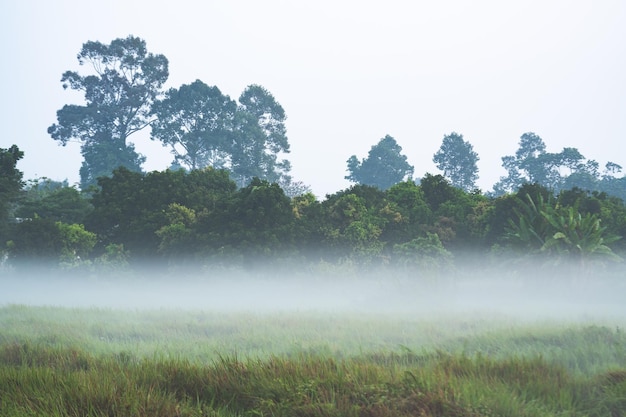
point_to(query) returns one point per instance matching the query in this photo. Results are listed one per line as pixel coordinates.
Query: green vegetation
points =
(383, 167)
(66, 362)
(202, 217)
(123, 95)
(228, 198)
(457, 159)
(125, 81)
(10, 184)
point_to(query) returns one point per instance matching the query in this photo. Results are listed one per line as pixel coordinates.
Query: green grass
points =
(98, 362)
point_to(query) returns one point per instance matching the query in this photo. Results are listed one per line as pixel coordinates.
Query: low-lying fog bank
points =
(533, 295)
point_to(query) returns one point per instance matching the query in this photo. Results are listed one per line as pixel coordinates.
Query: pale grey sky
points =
(346, 72)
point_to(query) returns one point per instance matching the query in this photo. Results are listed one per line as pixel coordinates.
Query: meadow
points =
(165, 361)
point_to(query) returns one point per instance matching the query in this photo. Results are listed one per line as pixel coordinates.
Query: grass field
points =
(187, 361)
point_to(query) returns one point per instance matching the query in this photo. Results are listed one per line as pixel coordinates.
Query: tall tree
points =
(259, 138)
(531, 146)
(10, 182)
(457, 159)
(196, 121)
(610, 183)
(126, 80)
(383, 167)
(532, 164)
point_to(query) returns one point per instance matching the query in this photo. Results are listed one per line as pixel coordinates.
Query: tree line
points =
(202, 127)
(202, 217)
(385, 165)
(228, 196)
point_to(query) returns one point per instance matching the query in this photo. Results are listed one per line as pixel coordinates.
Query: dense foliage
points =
(10, 183)
(228, 197)
(201, 217)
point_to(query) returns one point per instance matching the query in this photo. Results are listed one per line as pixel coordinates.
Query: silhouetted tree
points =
(196, 121)
(557, 171)
(259, 138)
(118, 99)
(10, 180)
(457, 159)
(383, 167)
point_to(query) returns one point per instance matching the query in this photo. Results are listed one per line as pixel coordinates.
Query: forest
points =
(201, 217)
(228, 199)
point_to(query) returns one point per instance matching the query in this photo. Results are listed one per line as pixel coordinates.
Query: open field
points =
(352, 357)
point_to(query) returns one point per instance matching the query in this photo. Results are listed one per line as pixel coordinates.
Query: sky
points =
(346, 72)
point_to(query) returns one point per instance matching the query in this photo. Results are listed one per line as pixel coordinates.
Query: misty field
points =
(102, 361)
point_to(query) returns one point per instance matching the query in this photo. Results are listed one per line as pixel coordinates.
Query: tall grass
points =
(94, 362)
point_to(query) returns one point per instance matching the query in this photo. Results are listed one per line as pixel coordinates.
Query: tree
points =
(196, 122)
(543, 227)
(260, 136)
(10, 180)
(77, 243)
(293, 188)
(353, 223)
(528, 229)
(579, 237)
(53, 200)
(118, 99)
(35, 241)
(457, 159)
(130, 207)
(352, 229)
(437, 190)
(383, 167)
(410, 212)
(43, 241)
(178, 240)
(424, 253)
(585, 176)
(259, 221)
(457, 215)
(523, 167)
(556, 171)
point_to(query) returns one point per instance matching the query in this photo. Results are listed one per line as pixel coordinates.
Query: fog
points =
(532, 293)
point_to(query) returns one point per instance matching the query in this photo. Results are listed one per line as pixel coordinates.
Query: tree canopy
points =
(556, 171)
(10, 181)
(197, 122)
(457, 159)
(384, 166)
(200, 217)
(260, 137)
(118, 94)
